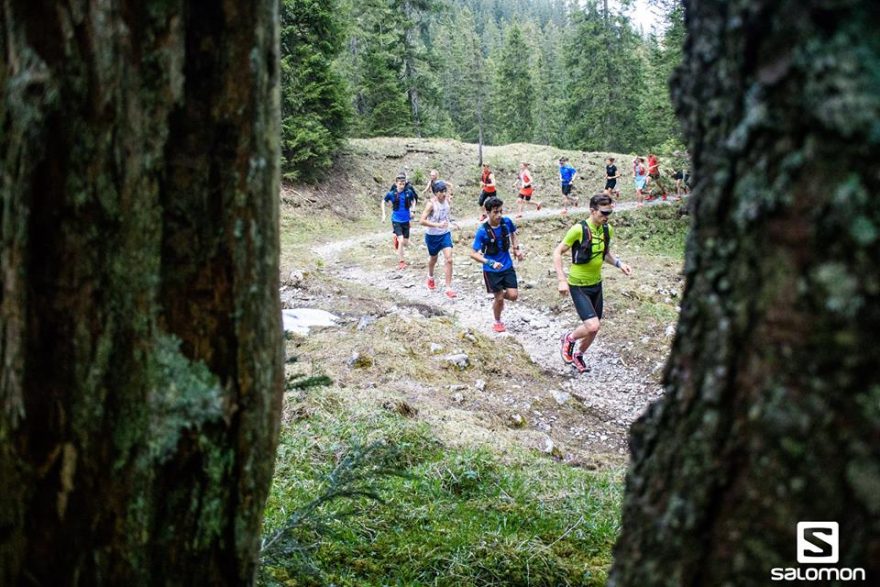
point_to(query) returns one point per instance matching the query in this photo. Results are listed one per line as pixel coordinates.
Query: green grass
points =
(444, 517)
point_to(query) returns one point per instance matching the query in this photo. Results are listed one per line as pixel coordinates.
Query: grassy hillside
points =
(348, 200)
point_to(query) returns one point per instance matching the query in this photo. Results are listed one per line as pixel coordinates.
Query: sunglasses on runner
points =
(606, 212)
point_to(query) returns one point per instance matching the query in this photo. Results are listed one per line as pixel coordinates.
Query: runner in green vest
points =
(590, 243)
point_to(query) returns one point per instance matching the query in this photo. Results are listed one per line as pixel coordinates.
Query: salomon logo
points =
(818, 543)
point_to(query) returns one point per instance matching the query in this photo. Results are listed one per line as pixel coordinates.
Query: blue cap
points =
(439, 186)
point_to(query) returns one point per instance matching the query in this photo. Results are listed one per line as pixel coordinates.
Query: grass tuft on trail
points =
(437, 515)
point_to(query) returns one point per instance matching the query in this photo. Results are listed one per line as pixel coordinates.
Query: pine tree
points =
(314, 101)
(549, 108)
(373, 65)
(603, 82)
(513, 90)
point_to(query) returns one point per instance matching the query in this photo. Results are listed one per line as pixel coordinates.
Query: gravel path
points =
(615, 391)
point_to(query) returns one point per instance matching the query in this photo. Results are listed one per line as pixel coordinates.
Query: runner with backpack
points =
(590, 244)
(493, 242)
(567, 174)
(487, 189)
(402, 198)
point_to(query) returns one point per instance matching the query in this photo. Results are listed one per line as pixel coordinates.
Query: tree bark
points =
(139, 318)
(772, 408)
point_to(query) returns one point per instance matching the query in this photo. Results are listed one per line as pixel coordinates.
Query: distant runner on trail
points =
(491, 248)
(437, 236)
(611, 176)
(567, 174)
(431, 186)
(640, 172)
(682, 175)
(402, 197)
(654, 177)
(524, 183)
(487, 188)
(590, 243)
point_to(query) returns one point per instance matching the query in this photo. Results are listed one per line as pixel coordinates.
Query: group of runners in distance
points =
(496, 241)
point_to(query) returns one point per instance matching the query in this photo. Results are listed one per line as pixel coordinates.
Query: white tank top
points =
(439, 213)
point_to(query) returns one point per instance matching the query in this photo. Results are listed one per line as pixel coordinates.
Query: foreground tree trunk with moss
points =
(139, 319)
(772, 410)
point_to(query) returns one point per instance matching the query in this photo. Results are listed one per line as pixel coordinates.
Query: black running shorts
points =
(500, 280)
(400, 228)
(587, 300)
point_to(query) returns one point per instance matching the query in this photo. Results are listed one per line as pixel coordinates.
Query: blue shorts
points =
(438, 242)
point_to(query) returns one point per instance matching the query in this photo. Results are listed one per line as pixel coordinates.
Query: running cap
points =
(400, 176)
(439, 186)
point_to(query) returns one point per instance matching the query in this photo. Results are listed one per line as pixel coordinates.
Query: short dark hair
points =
(599, 200)
(611, 159)
(492, 203)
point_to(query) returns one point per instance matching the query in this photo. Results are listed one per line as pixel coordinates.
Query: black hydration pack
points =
(582, 251)
(492, 247)
(407, 195)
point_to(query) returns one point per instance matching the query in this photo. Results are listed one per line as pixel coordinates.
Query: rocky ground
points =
(581, 419)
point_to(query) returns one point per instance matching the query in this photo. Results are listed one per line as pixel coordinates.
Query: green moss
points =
(184, 395)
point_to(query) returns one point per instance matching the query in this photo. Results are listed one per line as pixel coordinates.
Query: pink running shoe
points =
(401, 265)
(579, 364)
(430, 283)
(567, 349)
(499, 327)
(451, 294)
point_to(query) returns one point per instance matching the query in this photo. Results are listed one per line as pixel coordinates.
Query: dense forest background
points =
(573, 75)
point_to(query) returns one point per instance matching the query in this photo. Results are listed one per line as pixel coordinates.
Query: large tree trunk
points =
(139, 318)
(772, 410)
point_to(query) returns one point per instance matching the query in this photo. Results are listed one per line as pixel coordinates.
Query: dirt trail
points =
(615, 392)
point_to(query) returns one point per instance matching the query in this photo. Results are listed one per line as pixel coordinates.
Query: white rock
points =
(461, 360)
(436, 348)
(480, 384)
(561, 396)
(300, 320)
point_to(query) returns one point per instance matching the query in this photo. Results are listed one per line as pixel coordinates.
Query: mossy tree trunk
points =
(139, 318)
(772, 407)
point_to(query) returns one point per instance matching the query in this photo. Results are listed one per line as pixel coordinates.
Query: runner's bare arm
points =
(517, 250)
(560, 250)
(425, 213)
(612, 260)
